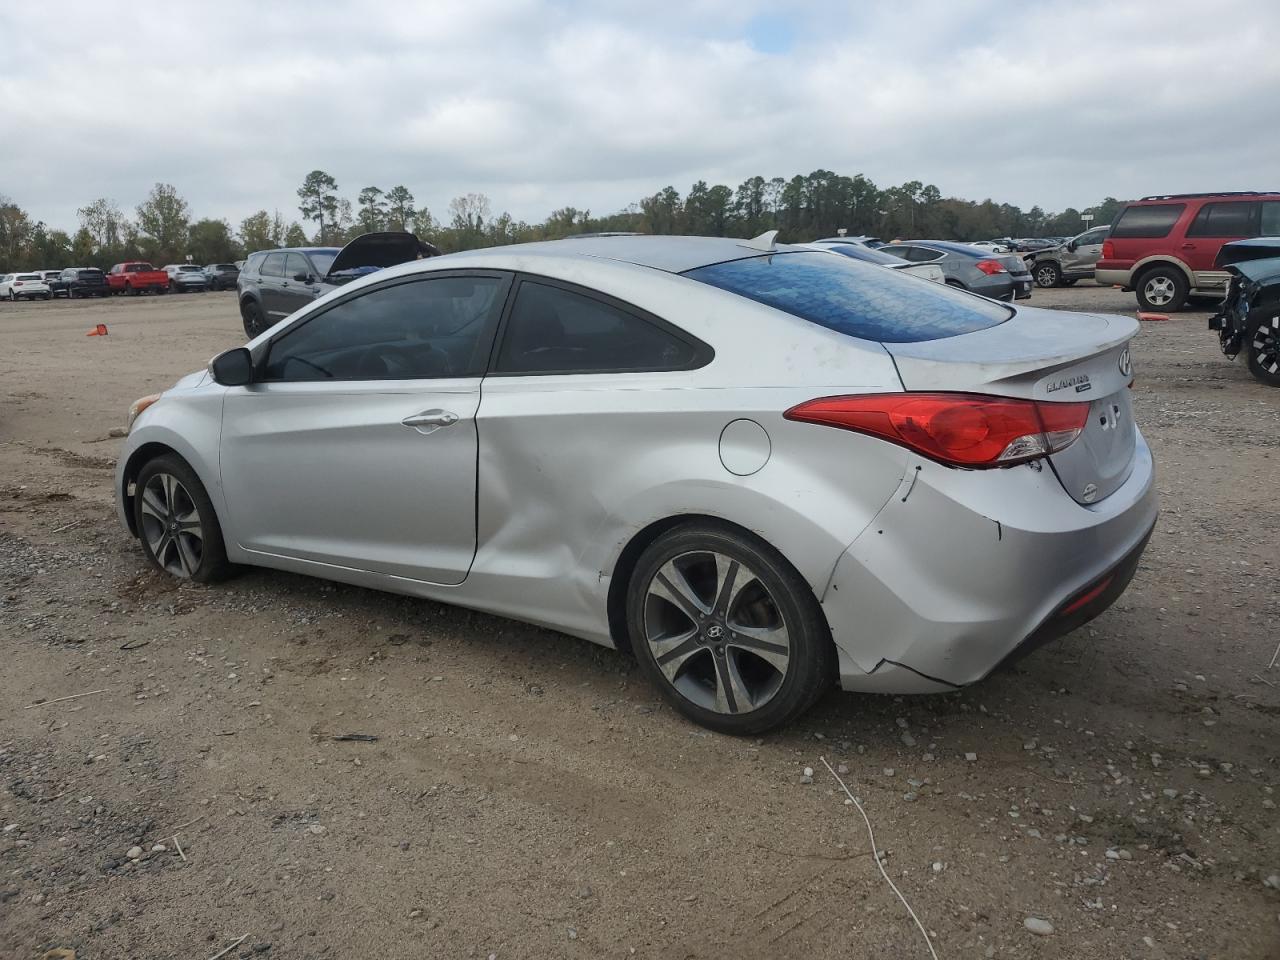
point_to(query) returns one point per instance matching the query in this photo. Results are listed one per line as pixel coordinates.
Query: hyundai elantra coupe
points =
(760, 469)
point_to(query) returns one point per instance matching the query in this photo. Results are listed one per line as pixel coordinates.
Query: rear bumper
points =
(964, 569)
(997, 287)
(1112, 276)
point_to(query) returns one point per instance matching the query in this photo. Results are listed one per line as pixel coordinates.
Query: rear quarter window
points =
(856, 299)
(1155, 220)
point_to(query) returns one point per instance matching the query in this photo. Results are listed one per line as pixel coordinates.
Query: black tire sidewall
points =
(812, 667)
(1179, 289)
(213, 559)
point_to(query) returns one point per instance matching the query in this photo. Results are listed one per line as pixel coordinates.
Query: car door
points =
(1088, 248)
(356, 443)
(1217, 223)
(294, 293)
(271, 287)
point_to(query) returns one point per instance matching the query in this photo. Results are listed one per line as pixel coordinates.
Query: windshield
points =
(322, 261)
(137, 267)
(856, 299)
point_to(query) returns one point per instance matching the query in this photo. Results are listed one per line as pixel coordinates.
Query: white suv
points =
(24, 286)
(186, 276)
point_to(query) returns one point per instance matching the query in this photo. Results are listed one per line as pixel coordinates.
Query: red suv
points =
(1164, 247)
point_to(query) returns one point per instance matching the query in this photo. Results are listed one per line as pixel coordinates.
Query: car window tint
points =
(296, 264)
(1270, 226)
(925, 255)
(1092, 237)
(553, 330)
(421, 330)
(856, 299)
(273, 265)
(1233, 219)
(1155, 220)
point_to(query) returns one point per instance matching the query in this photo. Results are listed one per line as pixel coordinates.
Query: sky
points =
(596, 103)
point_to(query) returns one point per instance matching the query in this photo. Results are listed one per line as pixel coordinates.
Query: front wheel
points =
(1162, 288)
(176, 522)
(254, 320)
(1048, 274)
(727, 630)
(1264, 350)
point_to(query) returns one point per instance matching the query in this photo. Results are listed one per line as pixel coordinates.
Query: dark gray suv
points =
(275, 283)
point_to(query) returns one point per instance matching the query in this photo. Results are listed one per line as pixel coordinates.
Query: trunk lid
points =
(1050, 356)
(378, 250)
(1012, 262)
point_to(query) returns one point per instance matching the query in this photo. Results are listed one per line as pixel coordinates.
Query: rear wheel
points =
(176, 522)
(1048, 274)
(254, 320)
(1264, 350)
(727, 630)
(1162, 288)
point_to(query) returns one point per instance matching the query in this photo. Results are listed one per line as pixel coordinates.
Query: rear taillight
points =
(958, 429)
(990, 267)
(1108, 250)
(17, 283)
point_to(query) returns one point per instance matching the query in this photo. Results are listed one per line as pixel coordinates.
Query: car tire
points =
(1263, 349)
(47, 296)
(254, 320)
(1070, 281)
(71, 294)
(176, 522)
(12, 296)
(131, 290)
(1161, 288)
(727, 630)
(1048, 274)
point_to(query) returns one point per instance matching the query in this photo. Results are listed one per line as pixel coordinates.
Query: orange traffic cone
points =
(99, 331)
(1152, 316)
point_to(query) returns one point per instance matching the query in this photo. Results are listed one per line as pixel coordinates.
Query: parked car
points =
(761, 469)
(873, 242)
(49, 276)
(1249, 317)
(185, 277)
(275, 283)
(81, 282)
(24, 286)
(994, 275)
(856, 251)
(992, 246)
(1063, 265)
(137, 276)
(222, 276)
(1164, 247)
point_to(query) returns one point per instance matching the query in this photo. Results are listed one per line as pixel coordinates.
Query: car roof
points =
(672, 254)
(947, 245)
(1225, 195)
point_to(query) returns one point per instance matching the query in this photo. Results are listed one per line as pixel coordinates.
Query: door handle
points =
(1188, 246)
(431, 418)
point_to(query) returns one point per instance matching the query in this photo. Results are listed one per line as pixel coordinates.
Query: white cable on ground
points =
(876, 853)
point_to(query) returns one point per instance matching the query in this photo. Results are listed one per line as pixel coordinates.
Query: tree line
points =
(163, 229)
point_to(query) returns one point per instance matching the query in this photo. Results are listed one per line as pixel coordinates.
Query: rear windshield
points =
(190, 269)
(29, 276)
(224, 266)
(856, 299)
(88, 274)
(1153, 221)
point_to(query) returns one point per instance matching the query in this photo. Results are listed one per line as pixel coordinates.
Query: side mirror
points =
(233, 368)
(1071, 245)
(302, 277)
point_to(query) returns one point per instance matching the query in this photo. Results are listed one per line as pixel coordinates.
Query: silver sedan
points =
(761, 469)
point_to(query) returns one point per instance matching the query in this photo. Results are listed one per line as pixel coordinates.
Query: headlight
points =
(136, 408)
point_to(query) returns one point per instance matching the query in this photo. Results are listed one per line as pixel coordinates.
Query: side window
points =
(1233, 219)
(1154, 220)
(421, 330)
(924, 255)
(273, 265)
(296, 264)
(554, 330)
(1092, 238)
(1270, 226)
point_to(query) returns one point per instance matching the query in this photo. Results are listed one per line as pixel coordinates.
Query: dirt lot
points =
(529, 796)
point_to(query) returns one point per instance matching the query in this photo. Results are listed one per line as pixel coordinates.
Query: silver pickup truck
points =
(1068, 262)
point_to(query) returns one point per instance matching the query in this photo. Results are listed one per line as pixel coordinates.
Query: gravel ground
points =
(528, 795)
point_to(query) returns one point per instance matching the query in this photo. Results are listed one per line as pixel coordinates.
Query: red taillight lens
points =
(990, 267)
(1108, 249)
(17, 283)
(959, 429)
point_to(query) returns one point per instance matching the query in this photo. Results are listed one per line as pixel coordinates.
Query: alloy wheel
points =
(716, 632)
(1266, 346)
(1159, 291)
(1047, 276)
(171, 525)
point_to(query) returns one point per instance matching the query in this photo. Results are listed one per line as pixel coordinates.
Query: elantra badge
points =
(1126, 363)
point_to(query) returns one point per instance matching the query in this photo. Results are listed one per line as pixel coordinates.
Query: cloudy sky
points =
(595, 103)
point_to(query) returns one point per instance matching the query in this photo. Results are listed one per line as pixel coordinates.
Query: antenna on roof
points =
(763, 242)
